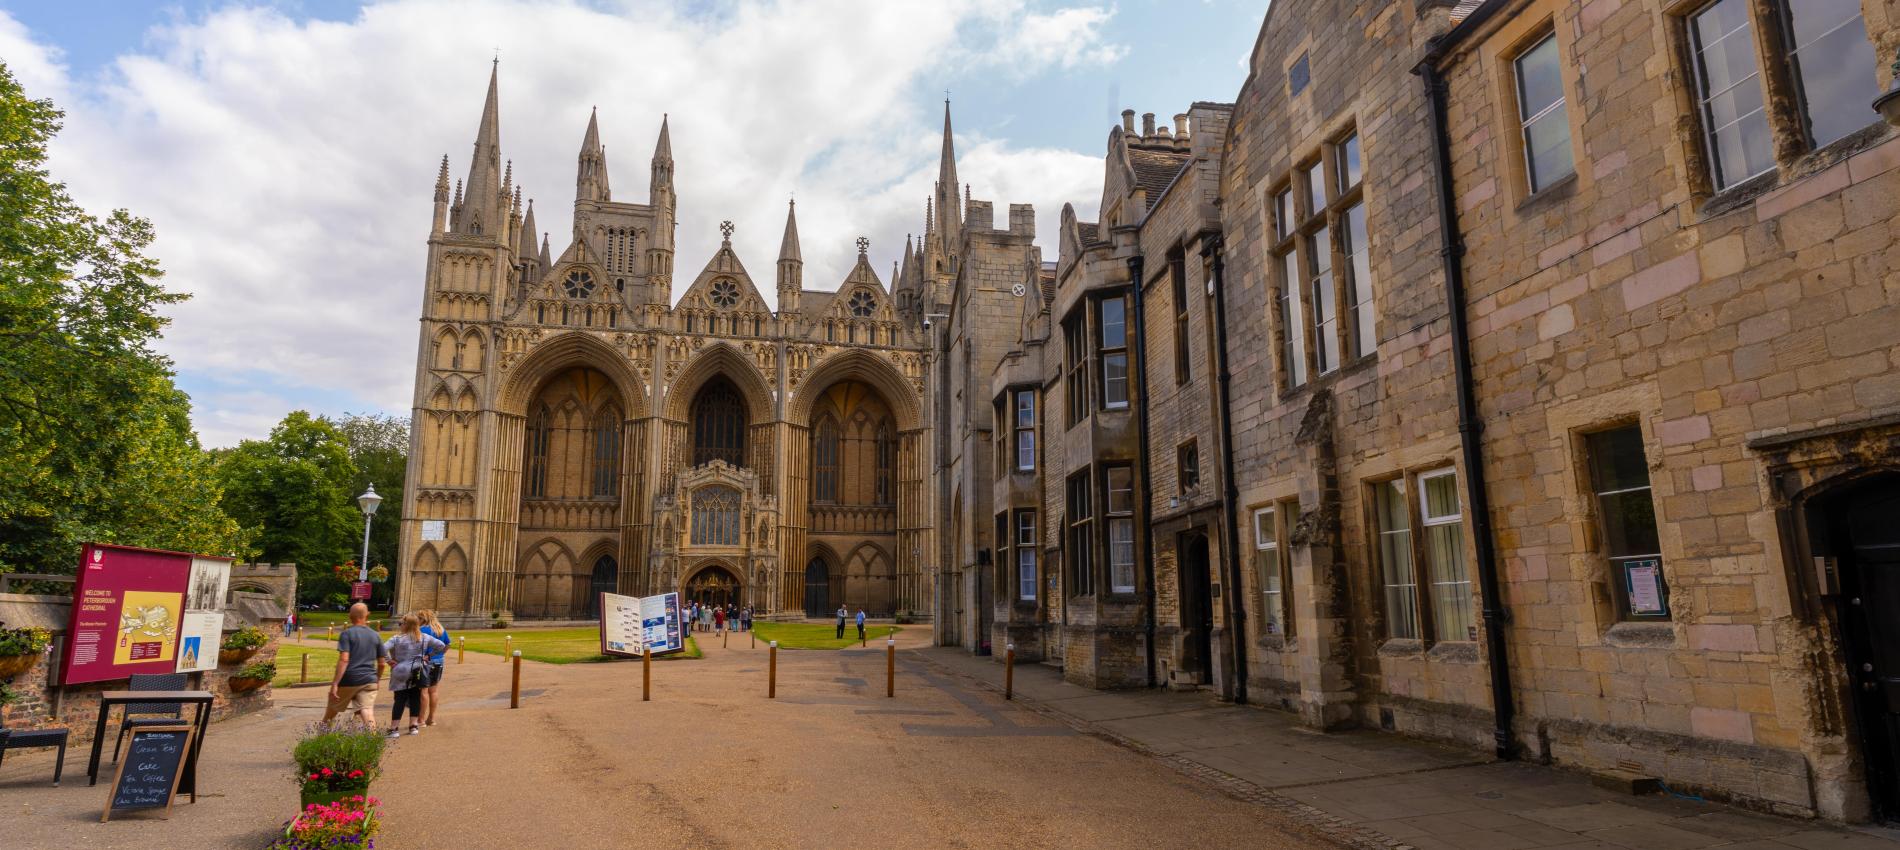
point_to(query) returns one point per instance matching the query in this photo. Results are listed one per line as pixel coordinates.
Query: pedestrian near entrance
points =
(842, 616)
(359, 663)
(409, 651)
(433, 628)
(719, 619)
(860, 624)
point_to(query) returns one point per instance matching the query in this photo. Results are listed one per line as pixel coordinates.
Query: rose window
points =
(579, 284)
(862, 303)
(725, 293)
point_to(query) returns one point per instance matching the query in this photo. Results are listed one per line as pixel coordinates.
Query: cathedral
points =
(576, 431)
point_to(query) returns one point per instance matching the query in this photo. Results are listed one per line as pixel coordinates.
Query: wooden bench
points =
(20, 739)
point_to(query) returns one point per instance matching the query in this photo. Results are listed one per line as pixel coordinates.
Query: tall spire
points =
(948, 210)
(484, 170)
(442, 182)
(788, 247)
(664, 150)
(590, 180)
(525, 245)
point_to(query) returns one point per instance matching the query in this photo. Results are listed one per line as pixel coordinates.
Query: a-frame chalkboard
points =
(148, 774)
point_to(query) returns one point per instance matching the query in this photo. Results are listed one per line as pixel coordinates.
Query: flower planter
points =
(245, 686)
(324, 798)
(350, 821)
(236, 656)
(14, 665)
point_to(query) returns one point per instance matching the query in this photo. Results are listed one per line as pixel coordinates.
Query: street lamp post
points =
(369, 502)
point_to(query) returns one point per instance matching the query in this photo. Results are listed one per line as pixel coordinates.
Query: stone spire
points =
(788, 247)
(546, 258)
(950, 222)
(525, 245)
(590, 181)
(660, 196)
(791, 266)
(481, 211)
(441, 198)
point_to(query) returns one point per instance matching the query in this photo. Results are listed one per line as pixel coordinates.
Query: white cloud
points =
(288, 164)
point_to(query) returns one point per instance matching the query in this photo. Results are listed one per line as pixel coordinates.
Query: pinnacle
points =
(663, 150)
(788, 248)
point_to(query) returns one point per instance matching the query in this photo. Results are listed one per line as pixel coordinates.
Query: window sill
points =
(1743, 194)
(1402, 648)
(1740, 195)
(1277, 643)
(1454, 652)
(1641, 635)
(1564, 189)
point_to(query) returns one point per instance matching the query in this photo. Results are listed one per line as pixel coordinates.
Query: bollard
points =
(305, 675)
(461, 651)
(890, 667)
(1009, 672)
(646, 674)
(507, 646)
(755, 638)
(514, 694)
(724, 637)
(771, 675)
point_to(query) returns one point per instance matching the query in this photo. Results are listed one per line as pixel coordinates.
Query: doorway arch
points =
(714, 584)
(606, 579)
(817, 588)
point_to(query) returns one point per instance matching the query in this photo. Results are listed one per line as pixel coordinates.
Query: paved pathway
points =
(1376, 789)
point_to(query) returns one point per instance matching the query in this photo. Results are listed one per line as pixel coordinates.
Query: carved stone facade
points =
(578, 432)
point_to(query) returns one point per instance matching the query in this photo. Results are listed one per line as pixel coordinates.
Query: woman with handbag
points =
(409, 652)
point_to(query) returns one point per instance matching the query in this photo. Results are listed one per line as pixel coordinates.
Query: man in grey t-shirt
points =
(359, 663)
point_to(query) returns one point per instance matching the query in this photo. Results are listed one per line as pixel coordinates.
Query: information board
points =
(359, 591)
(629, 625)
(201, 628)
(148, 774)
(129, 613)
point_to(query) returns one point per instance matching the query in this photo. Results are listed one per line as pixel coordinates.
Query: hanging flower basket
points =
(253, 677)
(14, 665)
(21, 648)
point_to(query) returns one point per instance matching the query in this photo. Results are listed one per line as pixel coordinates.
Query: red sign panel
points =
(359, 590)
(128, 605)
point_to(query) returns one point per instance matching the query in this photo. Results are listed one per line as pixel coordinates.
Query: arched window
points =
(538, 433)
(719, 424)
(886, 464)
(606, 453)
(715, 516)
(825, 457)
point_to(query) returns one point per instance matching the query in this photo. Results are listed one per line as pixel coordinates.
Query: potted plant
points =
(21, 648)
(241, 645)
(347, 822)
(252, 677)
(379, 573)
(337, 764)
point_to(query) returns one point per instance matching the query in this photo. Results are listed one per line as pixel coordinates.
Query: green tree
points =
(379, 446)
(95, 443)
(294, 487)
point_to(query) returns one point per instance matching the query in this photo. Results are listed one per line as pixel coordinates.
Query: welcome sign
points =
(129, 614)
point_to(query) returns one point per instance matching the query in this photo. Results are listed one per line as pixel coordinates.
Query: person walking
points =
(842, 616)
(719, 620)
(860, 624)
(409, 650)
(437, 659)
(359, 663)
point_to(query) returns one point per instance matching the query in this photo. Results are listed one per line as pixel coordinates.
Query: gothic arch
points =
(720, 358)
(858, 365)
(566, 351)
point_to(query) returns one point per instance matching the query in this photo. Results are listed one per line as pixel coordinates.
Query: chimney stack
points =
(1147, 125)
(1128, 120)
(1180, 127)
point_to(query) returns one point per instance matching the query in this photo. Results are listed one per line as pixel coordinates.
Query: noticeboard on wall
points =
(129, 614)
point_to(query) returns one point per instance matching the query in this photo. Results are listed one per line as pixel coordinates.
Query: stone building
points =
(576, 431)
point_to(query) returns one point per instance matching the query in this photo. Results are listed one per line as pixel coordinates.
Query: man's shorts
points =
(357, 697)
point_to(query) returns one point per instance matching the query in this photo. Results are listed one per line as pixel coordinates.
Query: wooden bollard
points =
(305, 675)
(646, 675)
(890, 667)
(461, 651)
(724, 637)
(1009, 671)
(755, 638)
(514, 693)
(507, 646)
(771, 673)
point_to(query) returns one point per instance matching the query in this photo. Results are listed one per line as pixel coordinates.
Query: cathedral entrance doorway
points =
(605, 580)
(817, 589)
(714, 585)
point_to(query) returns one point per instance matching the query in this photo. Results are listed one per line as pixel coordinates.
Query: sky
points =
(286, 152)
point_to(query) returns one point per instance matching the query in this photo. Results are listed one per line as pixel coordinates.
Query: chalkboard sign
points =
(148, 774)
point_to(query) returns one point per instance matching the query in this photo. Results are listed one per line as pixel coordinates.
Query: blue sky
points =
(285, 150)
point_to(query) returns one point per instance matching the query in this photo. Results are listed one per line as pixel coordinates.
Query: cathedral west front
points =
(578, 432)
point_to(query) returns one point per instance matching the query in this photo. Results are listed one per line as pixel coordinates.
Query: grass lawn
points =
(552, 646)
(817, 635)
(290, 663)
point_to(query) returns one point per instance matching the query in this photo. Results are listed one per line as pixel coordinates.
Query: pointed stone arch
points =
(720, 358)
(566, 351)
(858, 365)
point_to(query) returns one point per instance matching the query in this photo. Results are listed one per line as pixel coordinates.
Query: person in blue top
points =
(860, 624)
(433, 628)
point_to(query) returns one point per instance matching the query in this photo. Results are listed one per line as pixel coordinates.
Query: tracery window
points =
(538, 433)
(825, 456)
(606, 453)
(725, 293)
(579, 284)
(862, 303)
(715, 516)
(719, 424)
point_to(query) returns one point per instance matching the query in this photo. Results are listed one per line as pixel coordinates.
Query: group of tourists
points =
(718, 618)
(414, 656)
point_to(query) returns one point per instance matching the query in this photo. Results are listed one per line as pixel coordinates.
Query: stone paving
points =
(1370, 789)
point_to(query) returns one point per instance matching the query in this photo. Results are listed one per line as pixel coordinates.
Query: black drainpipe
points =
(1470, 426)
(1212, 248)
(1142, 540)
